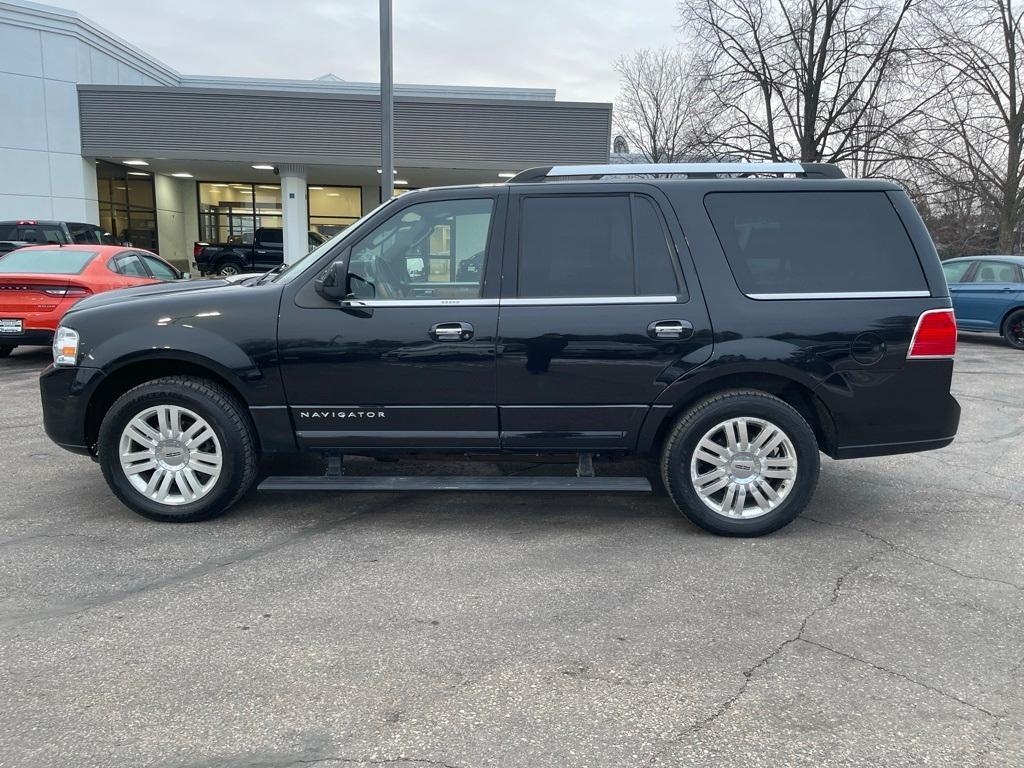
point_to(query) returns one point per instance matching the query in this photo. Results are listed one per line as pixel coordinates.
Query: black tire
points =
(229, 268)
(691, 427)
(227, 417)
(6, 351)
(1013, 329)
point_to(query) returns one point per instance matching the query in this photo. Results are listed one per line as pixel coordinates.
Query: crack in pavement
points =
(962, 467)
(748, 673)
(190, 574)
(368, 761)
(903, 551)
(906, 677)
(1010, 403)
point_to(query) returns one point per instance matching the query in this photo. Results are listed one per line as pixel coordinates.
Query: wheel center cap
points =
(172, 454)
(744, 467)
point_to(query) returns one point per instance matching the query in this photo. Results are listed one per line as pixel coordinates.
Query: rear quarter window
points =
(814, 242)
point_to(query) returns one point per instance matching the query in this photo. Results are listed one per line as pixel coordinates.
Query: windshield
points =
(295, 269)
(46, 262)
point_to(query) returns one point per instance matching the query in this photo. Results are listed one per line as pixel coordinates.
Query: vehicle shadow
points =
(27, 359)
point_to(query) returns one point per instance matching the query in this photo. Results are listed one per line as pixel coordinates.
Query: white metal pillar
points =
(294, 212)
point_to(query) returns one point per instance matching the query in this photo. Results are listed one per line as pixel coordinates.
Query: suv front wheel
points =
(740, 463)
(178, 449)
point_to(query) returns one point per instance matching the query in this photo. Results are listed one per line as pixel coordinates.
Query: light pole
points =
(387, 106)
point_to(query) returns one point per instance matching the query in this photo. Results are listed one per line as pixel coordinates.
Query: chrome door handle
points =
(670, 329)
(451, 332)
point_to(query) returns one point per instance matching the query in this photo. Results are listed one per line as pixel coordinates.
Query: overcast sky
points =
(564, 44)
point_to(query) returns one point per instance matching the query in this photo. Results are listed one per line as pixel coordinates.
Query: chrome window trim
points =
(588, 300)
(841, 295)
(513, 302)
(420, 303)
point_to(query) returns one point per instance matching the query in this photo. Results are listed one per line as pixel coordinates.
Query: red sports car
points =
(40, 283)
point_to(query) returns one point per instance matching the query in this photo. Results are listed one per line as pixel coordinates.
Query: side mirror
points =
(330, 284)
(186, 276)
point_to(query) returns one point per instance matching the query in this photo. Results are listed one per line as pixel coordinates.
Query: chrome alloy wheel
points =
(743, 468)
(170, 455)
(229, 270)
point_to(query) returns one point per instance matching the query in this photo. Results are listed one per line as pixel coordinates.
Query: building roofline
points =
(31, 15)
(23, 13)
(373, 89)
(453, 98)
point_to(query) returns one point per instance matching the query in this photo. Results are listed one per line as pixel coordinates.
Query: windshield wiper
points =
(269, 274)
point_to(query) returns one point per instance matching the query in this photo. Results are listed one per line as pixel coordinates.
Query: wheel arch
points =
(1006, 316)
(140, 370)
(797, 394)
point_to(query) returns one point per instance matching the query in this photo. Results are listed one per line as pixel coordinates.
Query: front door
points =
(600, 311)
(409, 364)
(989, 291)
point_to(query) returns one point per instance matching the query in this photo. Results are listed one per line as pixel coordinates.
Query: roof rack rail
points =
(690, 170)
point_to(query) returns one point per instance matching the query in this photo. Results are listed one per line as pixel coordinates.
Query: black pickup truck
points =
(259, 251)
(6, 246)
(37, 232)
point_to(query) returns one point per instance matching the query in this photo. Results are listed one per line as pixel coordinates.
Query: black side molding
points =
(455, 483)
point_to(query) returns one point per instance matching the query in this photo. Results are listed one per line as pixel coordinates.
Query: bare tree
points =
(975, 134)
(808, 80)
(656, 107)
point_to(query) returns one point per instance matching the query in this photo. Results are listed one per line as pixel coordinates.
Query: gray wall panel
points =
(206, 123)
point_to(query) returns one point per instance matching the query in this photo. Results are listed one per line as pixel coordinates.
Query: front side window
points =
(575, 246)
(130, 265)
(780, 243)
(994, 272)
(432, 250)
(159, 269)
(955, 271)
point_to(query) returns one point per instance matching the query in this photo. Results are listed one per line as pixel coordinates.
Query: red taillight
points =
(197, 248)
(69, 292)
(934, 336)
(27, 222)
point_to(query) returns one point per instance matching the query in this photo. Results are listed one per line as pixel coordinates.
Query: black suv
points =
(727, 321)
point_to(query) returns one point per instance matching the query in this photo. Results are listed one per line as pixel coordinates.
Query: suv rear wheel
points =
(1013, 329)
(5, 351)
(740, 463)
(229, 268)
(178, 449)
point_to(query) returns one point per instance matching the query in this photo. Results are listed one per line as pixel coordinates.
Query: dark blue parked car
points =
(988, 295)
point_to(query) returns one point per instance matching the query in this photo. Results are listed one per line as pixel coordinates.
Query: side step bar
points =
(454, 483)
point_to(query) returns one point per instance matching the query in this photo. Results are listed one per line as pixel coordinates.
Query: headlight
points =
(65, 346)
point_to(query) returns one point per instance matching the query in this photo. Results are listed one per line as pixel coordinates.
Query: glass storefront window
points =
(332, 209)
(232, 212)
(127, 203)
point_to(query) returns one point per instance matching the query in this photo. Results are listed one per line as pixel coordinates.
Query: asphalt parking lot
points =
(883, 628)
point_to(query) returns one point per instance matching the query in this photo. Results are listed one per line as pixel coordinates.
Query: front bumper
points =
(65, 395)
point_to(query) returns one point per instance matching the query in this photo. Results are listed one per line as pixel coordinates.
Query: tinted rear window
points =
(813, 242)
(55, 262)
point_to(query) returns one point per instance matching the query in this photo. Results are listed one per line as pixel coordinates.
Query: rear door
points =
(600, 311)
(987, 294)
(268, 249)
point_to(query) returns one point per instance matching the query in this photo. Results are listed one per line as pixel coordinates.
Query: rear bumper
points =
(889, 449)
(65, 395)
(30, 337)
(883, 413)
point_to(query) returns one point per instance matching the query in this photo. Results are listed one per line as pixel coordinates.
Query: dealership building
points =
(94, 129)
